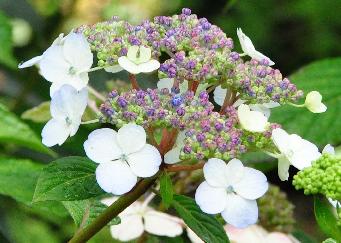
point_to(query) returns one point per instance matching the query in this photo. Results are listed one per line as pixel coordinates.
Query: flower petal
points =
(253, 233)
(145, 54)
(253, 185)
(77, 52)
(304, 154)
(53, 66)
(277, 237)
(145, 162)
(55, 132)
(162, 224)
(132, 53)
(172, 156)
(215, 173)
(280, 139)
(313, 102)
(245, 42)
(219, 95)
(328, 149)
(210, 199)
(33, 61)
(193, 236)
(113, 69)
(234, 171)
(253, 121)
(131, 138)
(128, 65)
(283, 168)
(165, 83)
(260, 57)
(240, 212)
(131, 227)
(115, 177)
(101, 146)
(149, 66)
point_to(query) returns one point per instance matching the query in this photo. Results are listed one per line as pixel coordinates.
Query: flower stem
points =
(94, 69)
(90, 122)
(295, 105)
(133, 81)
(96, 93)
(185, 167)
(113, 210)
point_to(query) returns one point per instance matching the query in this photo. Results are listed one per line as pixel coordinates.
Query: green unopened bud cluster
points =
(275, 211)
(324, 177)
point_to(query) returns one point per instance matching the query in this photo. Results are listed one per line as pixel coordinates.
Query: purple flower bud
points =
(180, 111)
(191, 64)
(122, 102)
(112, 94)
(206, 26)
(203, 95)
(150, 111)
(187, 149)
(200, 137)
(234, 56)
(218, 126)
(186, 11)
(176, 100)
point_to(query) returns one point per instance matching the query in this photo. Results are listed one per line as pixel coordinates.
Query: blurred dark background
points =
(292, 33)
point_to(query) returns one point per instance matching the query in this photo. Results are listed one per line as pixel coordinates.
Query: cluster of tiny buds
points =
(214, 136)
(155, 108)
(324, 176)
(256, 80)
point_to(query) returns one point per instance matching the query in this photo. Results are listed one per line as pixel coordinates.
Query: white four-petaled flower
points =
(294, 150)
(138, 217)
(66, 61)
(253, 121)
(67, 107)
(123, 156)
(249, 49)
(231, 189)
(138, 60)
(313, 102)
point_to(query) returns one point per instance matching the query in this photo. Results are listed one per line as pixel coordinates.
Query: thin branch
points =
(133, 81)
(177, 168)
(113, 210)
(96, 93)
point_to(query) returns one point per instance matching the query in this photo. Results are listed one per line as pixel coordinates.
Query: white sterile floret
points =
(231, 189)
(138, 217)
(67, 107)
(123, 156)
(253, 121)
(66, 61)
(138, 60)
(173, 155)
(294, 150)
(219, 95)
(313, 102)
(249, 49)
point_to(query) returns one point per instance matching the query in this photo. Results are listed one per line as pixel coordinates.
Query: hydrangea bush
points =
(183, 135)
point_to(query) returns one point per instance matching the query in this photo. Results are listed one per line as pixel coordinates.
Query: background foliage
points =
(293, 33)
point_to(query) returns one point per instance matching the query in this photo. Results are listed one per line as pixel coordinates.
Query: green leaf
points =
(67, 179)
(85, 211)
(13, 130)
(40, 113)
(326, 219)
(204, 225)
(166, 189)
(323, 76)
(6, 54)
(18, 178)
(329, 240)
(303, 237)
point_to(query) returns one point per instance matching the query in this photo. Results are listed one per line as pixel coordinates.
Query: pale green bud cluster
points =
(324, 177)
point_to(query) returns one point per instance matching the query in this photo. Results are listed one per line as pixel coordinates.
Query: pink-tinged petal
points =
(131, 138)
(162, 224)
(277, 237)
(253, 233)
(145, 162)
(115, 177)
(101, 146)
(211, 200)
(130, 228)
(240, 212)
(55, 132)
(253, 185)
